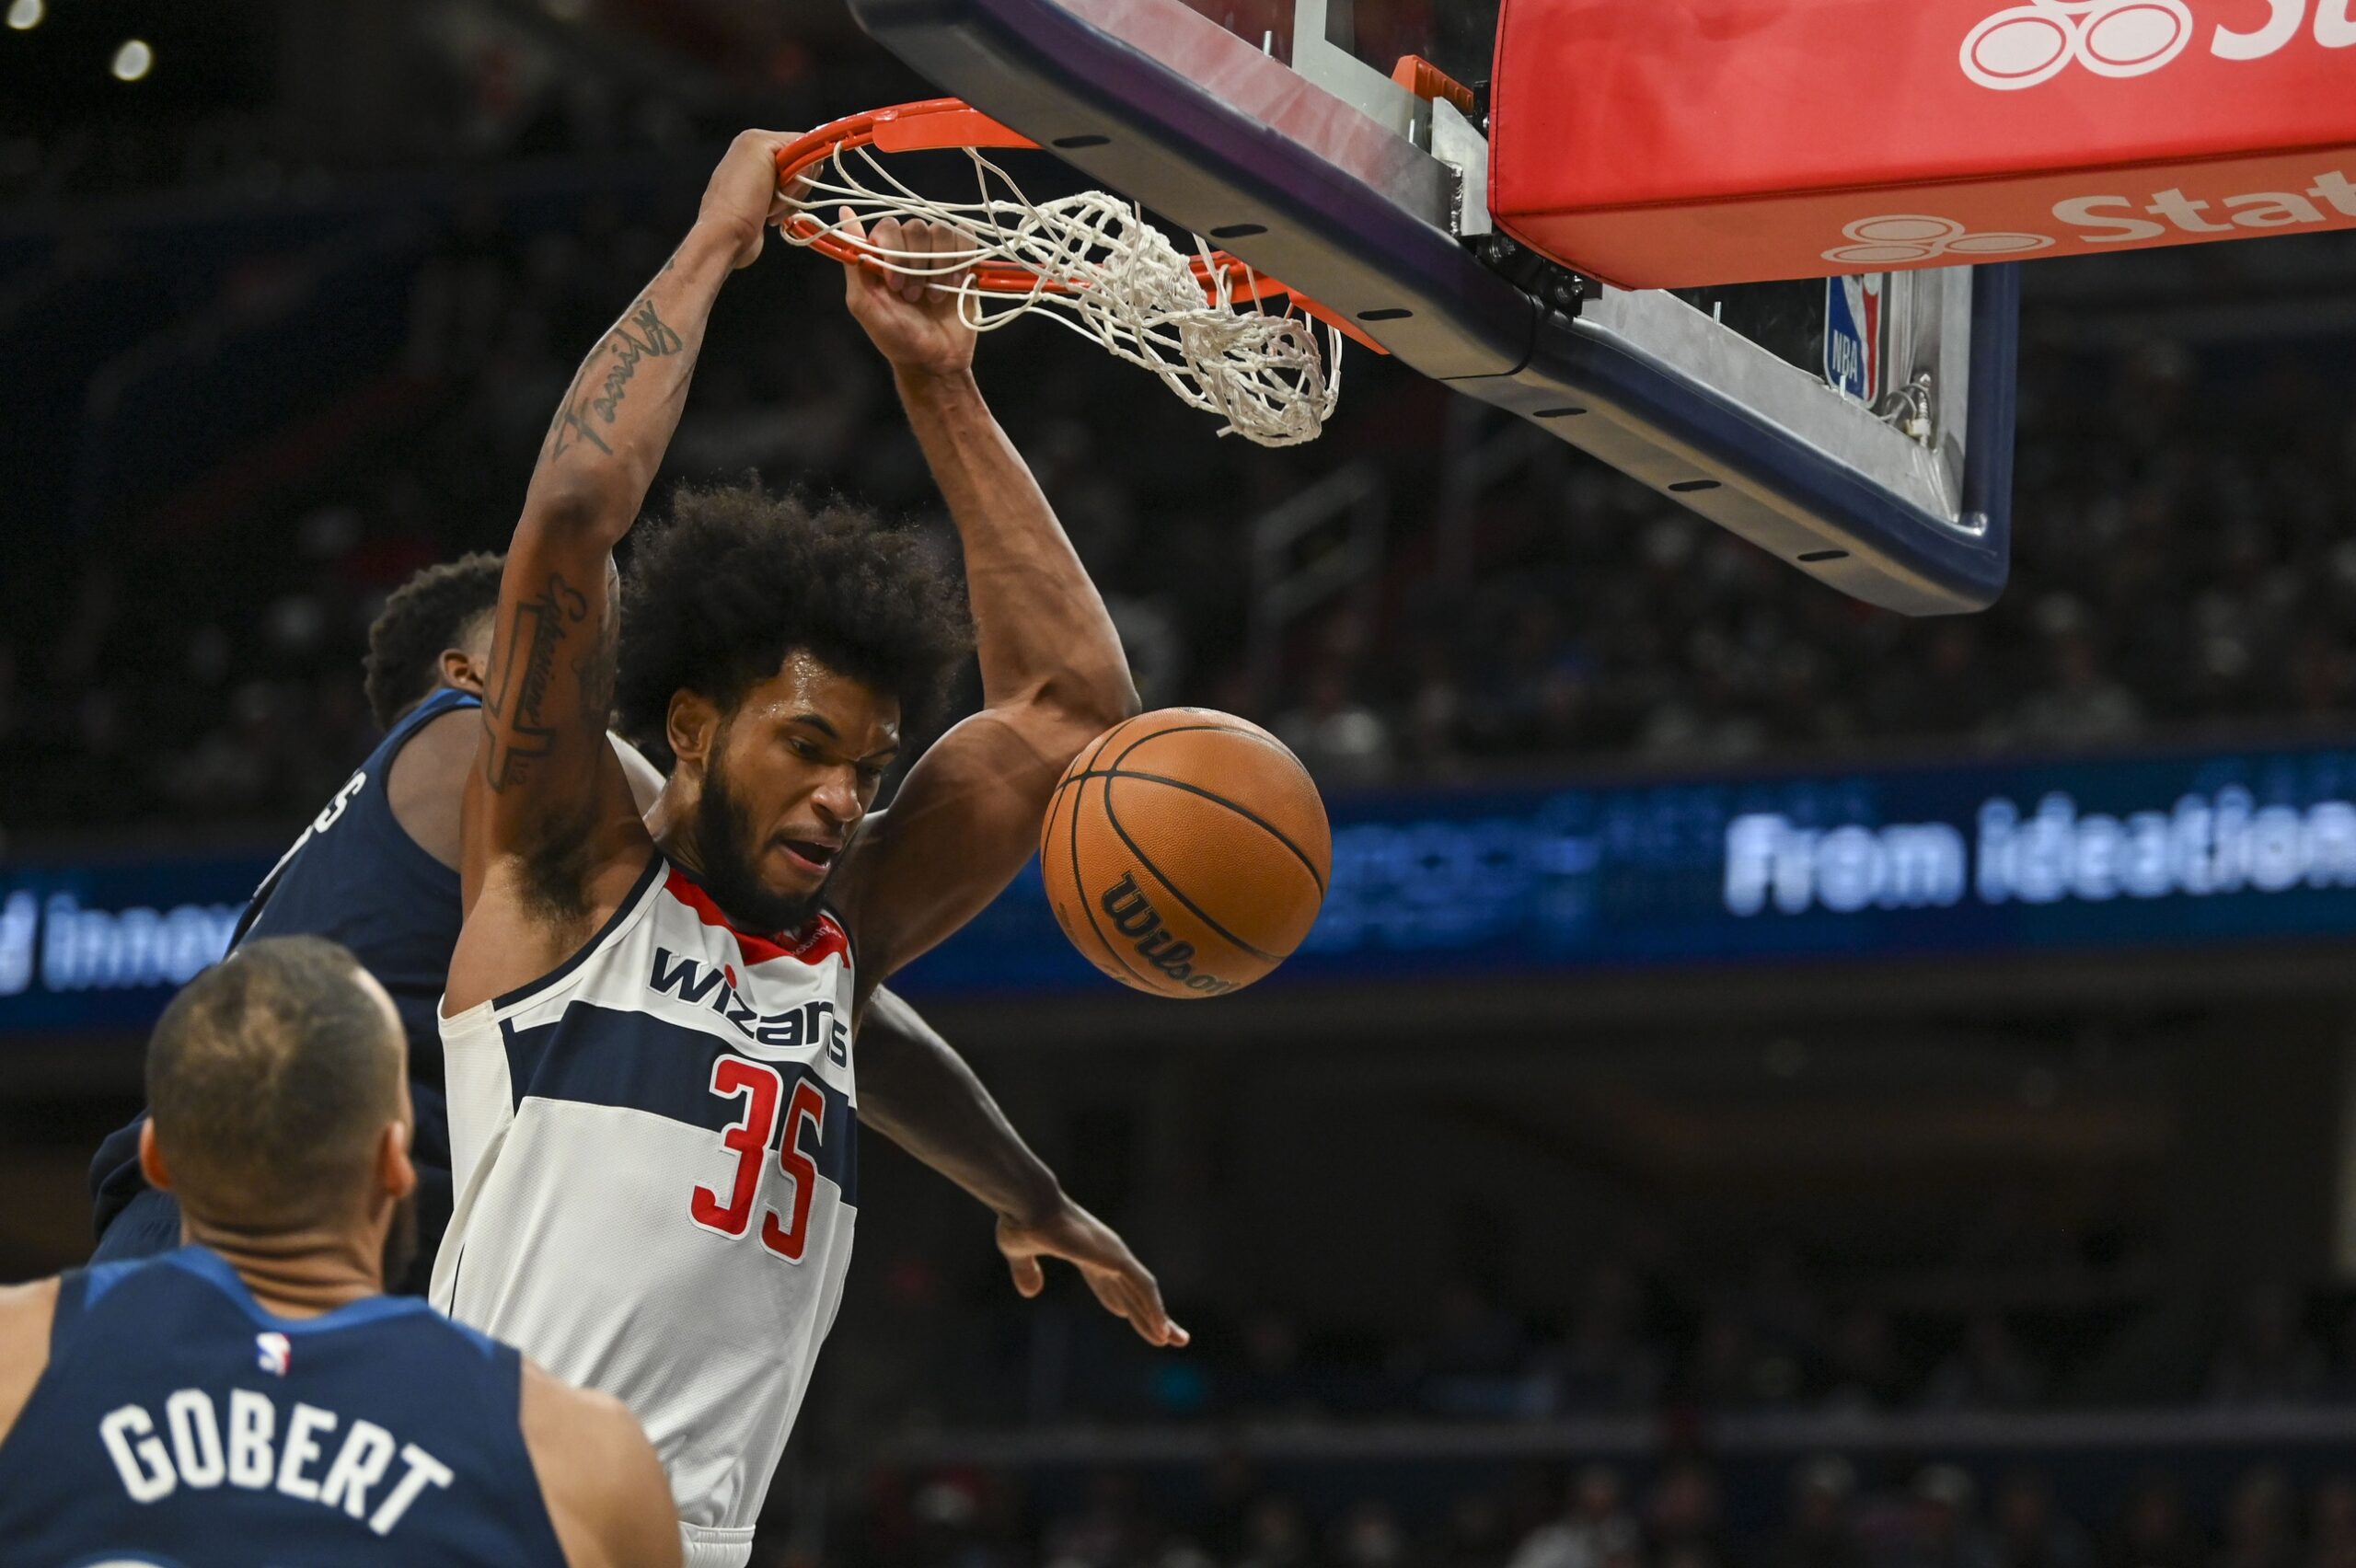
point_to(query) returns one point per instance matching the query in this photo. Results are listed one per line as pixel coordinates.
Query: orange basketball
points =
(1185, 852)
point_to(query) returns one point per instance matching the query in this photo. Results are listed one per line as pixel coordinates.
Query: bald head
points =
(272, 1078)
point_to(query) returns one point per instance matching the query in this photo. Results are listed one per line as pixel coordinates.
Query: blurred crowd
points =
(1632, 1349)
(2185, 555)
(180, 660)
(1375, 1451)
(1832, 1513)
(331, 361)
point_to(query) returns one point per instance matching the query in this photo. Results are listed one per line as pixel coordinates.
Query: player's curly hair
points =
(430, 612)
(737, 577)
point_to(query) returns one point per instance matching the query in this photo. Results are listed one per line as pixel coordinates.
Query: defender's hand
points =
(1113, 1272)
(914, 322)
(742, 198)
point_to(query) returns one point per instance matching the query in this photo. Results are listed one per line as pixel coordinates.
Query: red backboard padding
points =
(1660, 144)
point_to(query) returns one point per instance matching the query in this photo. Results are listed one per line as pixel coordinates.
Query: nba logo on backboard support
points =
(1852, 336)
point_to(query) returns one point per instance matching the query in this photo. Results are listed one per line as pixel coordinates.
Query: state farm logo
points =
(2028, 45)
(2327, 199)
(1903, 238)
(2024, 45)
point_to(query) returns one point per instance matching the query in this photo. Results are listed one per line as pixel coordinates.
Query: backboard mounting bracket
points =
(1159, 102)
(1318, 58)
(1458, 143)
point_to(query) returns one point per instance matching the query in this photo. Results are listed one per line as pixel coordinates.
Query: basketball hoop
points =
(1090, 262)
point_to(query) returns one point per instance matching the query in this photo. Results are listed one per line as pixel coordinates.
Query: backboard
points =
(1859, 428)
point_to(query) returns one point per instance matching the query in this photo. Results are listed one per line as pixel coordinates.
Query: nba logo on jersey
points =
(1853, 336)
(277, 1350)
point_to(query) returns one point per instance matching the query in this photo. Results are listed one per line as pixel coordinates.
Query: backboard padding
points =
(1156, 101)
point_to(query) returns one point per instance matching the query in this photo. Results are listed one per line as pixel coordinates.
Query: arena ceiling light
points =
(134, 60)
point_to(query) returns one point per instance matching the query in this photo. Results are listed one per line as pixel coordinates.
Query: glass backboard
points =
(1859, 428)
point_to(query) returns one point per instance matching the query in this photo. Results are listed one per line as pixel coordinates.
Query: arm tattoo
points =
(643, 334)
(595, 672)
(515, 711)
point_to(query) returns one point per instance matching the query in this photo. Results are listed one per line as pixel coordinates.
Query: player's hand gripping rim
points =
(917, 320)
(743, 198)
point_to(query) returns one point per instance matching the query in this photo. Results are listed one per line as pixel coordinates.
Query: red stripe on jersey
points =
(823, 939)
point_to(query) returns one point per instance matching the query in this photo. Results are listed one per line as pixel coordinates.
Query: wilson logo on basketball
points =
(1189, 839)
(2024, 45)
(1133, 917)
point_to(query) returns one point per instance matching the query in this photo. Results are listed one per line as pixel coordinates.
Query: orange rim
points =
(933, 124)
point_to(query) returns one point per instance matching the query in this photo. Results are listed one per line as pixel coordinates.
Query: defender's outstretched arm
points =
(1053, 673)
(548, 822)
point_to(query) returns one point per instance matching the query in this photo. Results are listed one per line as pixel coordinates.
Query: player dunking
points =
(648, 1023)
(376, 871)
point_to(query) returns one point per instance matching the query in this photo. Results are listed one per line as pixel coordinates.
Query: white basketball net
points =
(1107, 273)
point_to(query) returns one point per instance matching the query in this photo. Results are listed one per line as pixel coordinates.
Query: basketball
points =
(1185, 852)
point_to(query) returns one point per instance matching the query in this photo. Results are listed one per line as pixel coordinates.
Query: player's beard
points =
(401, 1241)
(725, 841)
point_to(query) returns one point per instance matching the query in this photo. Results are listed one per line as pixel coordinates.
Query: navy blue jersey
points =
(179, 1423)
(356, 877)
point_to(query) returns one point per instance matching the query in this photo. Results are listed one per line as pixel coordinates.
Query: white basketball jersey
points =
(653, 1154)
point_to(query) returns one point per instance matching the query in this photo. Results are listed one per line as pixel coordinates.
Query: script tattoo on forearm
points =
(596, 671)
(643, 334)
(516, 709)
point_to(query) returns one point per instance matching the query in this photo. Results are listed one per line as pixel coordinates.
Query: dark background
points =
(2033, 1258)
